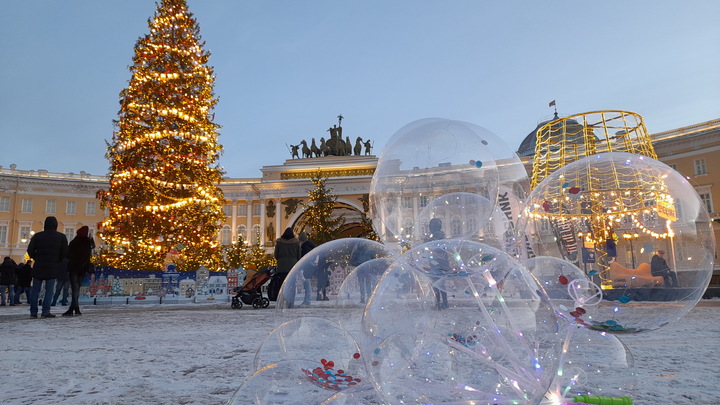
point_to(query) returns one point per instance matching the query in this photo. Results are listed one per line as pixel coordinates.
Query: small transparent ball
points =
(322, 271)
(610, 213)
(423, 161)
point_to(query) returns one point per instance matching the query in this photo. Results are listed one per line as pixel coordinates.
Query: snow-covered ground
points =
(201, 353)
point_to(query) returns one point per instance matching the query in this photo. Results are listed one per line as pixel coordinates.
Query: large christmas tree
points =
(164, 203)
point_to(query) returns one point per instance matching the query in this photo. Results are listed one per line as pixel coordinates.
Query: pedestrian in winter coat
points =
(48, 248)
(80, 253)
(287, 253)
(306, 245)
(62, 285)
(8, 268)
(24, 281)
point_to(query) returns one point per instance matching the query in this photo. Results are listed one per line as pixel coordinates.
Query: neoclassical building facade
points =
(259, 209)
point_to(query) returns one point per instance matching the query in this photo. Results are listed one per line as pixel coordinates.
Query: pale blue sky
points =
(286, 69)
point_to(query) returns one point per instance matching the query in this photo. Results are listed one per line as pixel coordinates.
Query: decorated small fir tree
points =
(319, 221)
(164, 200)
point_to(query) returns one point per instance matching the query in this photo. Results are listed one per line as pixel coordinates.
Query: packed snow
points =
(200, 353)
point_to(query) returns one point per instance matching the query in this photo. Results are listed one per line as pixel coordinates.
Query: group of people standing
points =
(288, 251)
(16, 279)
(52, 259)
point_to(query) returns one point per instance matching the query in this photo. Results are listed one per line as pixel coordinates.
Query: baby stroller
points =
(251, 292)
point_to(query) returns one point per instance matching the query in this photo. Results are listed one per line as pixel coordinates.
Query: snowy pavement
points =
(201, 354)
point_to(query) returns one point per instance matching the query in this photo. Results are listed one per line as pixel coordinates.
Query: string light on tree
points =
(163, 201)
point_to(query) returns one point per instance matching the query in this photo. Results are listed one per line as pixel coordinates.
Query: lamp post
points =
(631, 237)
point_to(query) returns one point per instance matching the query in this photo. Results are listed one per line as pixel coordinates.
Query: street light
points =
(631, 237)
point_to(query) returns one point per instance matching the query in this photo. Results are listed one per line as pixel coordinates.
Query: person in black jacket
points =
(287, 253)
(659, 267)
(24, 281)
(80, 253)
(8, 268)
(48, 249)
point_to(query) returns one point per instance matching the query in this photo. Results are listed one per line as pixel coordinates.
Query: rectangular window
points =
(50, 207)
(407, 202)
(69, 233)
(3, 234)
(673, 166)
(423, 201)
(25, 233)
(256, 210)
(706, 198)
(227, 210)
(242, 210)
(225, 235)
(70, 208)
(90, 208)
(5, 204)
(700, 167)
(27, 206)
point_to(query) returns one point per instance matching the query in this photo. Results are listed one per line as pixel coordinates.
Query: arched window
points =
(242, 233)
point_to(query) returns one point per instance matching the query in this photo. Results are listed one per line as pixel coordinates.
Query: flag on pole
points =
(552, 103)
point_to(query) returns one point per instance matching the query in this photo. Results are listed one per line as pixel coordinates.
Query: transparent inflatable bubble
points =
(610, 214)
(318, 341)
(459, 320)
(593, 363)
(463, 215)
(321, 272)
(423, 161)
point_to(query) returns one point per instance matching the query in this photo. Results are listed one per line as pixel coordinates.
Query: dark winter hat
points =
(83, 231)
(662, 252)
(288, 234)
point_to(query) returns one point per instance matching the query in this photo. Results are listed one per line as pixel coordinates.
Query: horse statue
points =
(358, 146)
(324, 149)
(305, 150)
(348, 146)
(314, 149)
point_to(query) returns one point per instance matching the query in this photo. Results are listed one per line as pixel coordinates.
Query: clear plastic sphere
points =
(593, 363)
(463, 213)
(423, 161)
(459, 320)
(610, 214)
(322, 271)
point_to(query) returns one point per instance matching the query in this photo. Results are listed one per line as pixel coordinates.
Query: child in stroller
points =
(251, 291)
